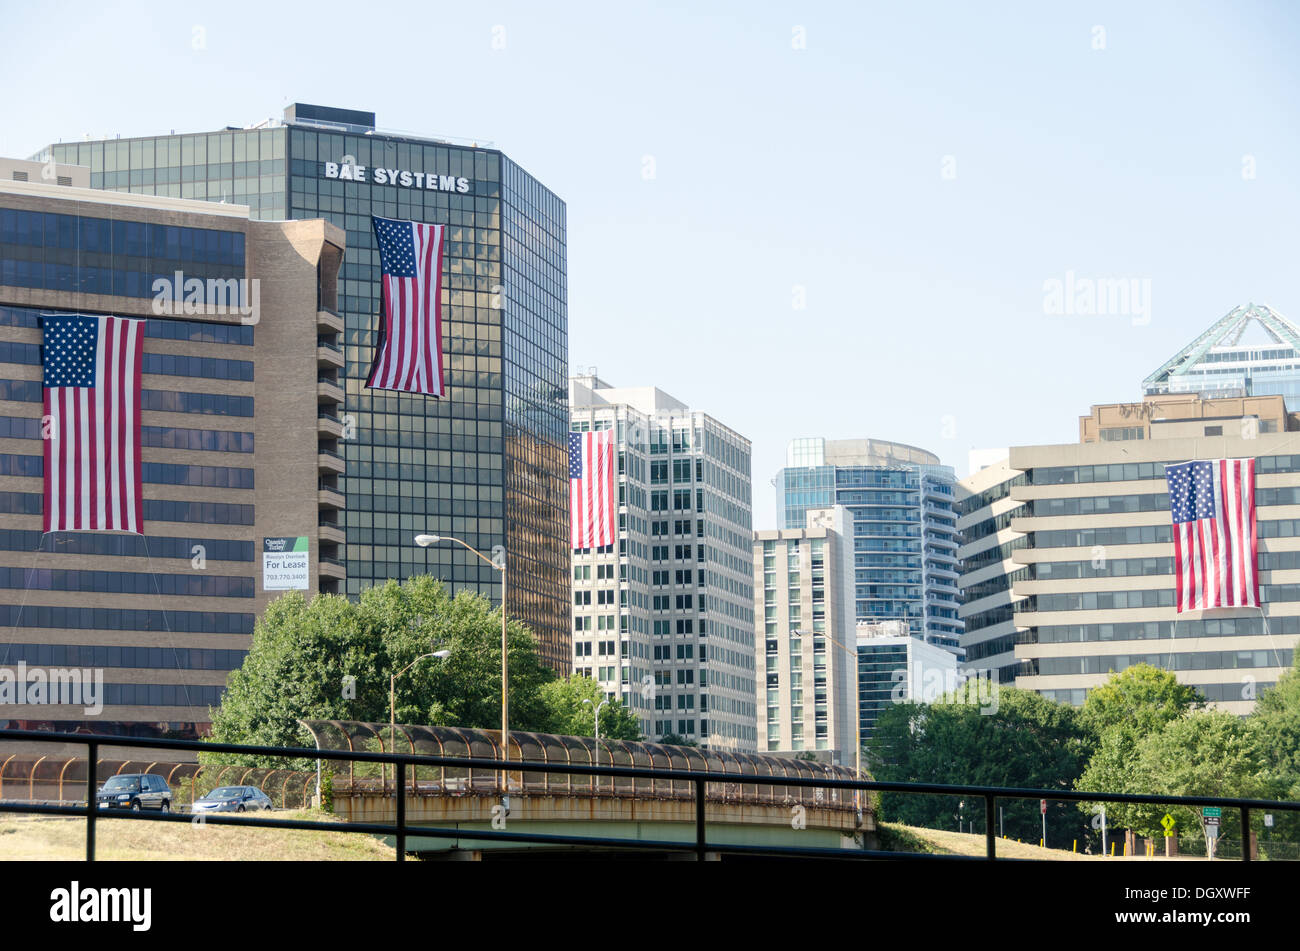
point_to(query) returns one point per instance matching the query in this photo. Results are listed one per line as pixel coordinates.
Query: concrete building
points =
(985, 508)
(900, 501)
(1098, 595)
(487, 463)
(897, 667)
(664, 620)
(806, 576)
(239, 438)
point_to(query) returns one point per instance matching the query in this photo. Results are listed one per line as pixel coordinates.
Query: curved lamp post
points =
(424, 541)
(392, 698)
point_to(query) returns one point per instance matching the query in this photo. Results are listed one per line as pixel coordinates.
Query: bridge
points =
(570, 805)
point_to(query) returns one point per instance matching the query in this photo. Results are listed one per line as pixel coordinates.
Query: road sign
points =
(1212, 830)
(1042, 806)
(1168, 823)
(1211, 821)
(1268, 819)
(1212, 811)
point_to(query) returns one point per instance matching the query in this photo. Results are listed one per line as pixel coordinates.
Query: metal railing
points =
(400, 830)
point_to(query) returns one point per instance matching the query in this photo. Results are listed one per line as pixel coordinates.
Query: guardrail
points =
(401, 830)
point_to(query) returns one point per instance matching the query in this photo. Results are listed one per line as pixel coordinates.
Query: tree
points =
(1028, 741)
(569, 716)
(1122, 713)
(1204, 754)
(1276, 722)
(1139, 701)
(332, 659)
(672, 739)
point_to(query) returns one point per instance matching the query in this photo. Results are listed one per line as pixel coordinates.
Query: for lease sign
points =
(285, 564)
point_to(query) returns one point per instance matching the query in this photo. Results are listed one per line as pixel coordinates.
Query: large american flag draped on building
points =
(91, 431)
(591, 488)
(409, 354)
(1215, 546)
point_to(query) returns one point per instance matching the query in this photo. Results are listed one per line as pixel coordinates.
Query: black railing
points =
(401, 829)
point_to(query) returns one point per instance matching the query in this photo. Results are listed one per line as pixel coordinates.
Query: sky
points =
(805, 219)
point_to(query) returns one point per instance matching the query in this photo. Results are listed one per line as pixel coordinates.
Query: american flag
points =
(591, 489)
(92, 424)
(1215, 547)
(409, 355)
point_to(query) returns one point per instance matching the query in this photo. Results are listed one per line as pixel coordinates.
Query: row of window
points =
(153, 437)
(198, 584)
(114, 619)
(125, 546)
(161, 364)
(196, 331)
(1215, 693)
(101, 655)
(155, 510)
(1199, 660)
(158, 473)
(120, 238)
(162, 401)
(1155, 630)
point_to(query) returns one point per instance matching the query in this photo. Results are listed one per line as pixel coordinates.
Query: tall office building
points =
(904, 527)
(985, 509)
(238, 453)
(807, 695)
(1221, 362)
(664, 619)
(487, 463)
(1092, 587)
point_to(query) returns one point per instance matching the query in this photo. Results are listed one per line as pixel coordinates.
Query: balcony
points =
(329, 425)
(328, 355)
(328, 391)
(328, 320)
(329, 462)
(329, 530)
(333, 568)
(331, 498)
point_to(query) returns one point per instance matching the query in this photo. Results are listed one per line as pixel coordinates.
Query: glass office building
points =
(904, 527)
(485, 464)
(1221, 363)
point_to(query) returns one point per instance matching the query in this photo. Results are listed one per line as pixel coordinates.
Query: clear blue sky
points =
(775, 167)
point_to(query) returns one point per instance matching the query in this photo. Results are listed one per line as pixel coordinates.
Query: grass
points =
(37, 838)
(896, 837)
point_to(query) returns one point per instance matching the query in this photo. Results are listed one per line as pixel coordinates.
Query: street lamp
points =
(392, 698)
(598, 709)
(424, 541)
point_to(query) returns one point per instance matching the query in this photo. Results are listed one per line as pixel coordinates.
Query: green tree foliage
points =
(672, 739)
(569, 716)
(1028, 741)
(1139, 701)
(1203, 754)
(1122, 713)
(331, 658)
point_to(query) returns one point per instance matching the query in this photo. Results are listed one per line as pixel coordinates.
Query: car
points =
(135, 791)
(232, 799)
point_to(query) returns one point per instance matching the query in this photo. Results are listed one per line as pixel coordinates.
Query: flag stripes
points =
(409, 355)
(91, 429)
(1215, 537)
(591, 489)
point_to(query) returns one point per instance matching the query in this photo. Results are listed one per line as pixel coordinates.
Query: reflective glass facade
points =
(904, 531)
(485, 464)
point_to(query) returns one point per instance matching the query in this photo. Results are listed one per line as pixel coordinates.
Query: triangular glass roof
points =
(1265, 326)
